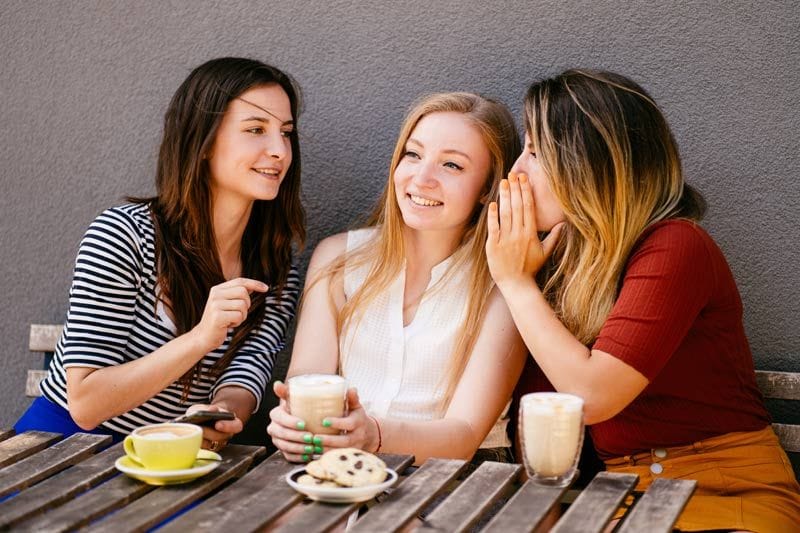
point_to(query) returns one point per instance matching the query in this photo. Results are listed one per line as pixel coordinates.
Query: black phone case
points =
(205, 417)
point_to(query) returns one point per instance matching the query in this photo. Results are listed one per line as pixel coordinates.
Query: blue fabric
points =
(44, 415)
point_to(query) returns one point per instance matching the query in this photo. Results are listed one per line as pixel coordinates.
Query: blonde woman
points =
(405, 308)
(635, 308)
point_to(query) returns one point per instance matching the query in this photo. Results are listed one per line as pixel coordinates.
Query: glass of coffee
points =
(315, 397)
(551, 429)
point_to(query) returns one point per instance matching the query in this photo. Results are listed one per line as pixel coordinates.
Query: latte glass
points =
(314, 397)
(551, 429)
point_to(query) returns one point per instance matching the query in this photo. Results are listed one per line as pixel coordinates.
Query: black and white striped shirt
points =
(113, 319)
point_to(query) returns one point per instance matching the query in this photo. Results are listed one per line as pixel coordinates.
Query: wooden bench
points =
(783, 386)
(43, 338)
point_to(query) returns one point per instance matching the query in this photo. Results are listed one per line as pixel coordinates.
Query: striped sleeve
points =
(251, 367)
(103, 294)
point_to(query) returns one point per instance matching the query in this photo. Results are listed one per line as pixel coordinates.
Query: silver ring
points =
(214, 446)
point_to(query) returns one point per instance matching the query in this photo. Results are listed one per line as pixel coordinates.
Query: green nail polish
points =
(317, 449)
(308, 449)
(301, 425)
(307, 438)
(326, 423)
(318, 441)
(306, 458)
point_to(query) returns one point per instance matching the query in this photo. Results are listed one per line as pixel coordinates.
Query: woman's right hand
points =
(297, 446)
(514, 252)
(227, 306)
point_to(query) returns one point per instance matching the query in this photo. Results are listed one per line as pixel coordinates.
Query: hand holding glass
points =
(314, 397)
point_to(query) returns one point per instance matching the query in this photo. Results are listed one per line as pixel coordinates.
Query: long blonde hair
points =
(385, 253)
(613, 165)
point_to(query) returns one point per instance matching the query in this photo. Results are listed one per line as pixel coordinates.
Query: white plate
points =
(339, 494)
(205, 463)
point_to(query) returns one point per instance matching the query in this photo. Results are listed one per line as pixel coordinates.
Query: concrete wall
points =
(85, 84)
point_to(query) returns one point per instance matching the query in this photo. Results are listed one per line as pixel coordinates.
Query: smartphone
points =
(205, 418)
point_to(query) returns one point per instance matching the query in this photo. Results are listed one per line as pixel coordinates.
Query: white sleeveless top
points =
(399, 371)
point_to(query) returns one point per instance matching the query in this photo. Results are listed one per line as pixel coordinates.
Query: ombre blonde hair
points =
(385, 252)
(613, 165)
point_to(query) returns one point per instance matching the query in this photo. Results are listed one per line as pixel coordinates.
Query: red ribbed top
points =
(678, 321)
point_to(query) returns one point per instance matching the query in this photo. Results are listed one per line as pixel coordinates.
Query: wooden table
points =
(51, 484)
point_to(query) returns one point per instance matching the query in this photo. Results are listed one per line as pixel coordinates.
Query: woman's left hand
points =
(513, 249)
(216, 437)
(361, 429)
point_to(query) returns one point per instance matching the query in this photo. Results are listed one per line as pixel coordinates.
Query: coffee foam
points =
(316, 385)
(165, 433)
(553, 402)
(161, 435)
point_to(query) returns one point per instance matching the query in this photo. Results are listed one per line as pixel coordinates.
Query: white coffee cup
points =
(551, 429)
(315, 397)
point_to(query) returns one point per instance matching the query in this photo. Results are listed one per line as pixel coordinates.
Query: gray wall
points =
(85, 84)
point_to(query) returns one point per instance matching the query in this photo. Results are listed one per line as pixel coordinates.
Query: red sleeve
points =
(667, 282)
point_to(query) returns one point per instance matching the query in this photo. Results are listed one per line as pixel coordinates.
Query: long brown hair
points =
(613, 164)
(386, 252)
(186, 251)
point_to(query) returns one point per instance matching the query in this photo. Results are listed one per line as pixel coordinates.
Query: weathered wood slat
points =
(789, 435)
(6, 433)
(464, 507)
(25, 444)
(779, 385)
(319, 516)
(596, 505)
(659, 508)
(60, 488)
(44, 337)
(44, 464)
(248, 504)
(411, 496)
(89, 506)
(782, 386)
(160, 504)
(398, 463)
(32, 383)
(526, 509)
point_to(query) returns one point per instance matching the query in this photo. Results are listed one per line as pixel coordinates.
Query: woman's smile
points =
(421, 201)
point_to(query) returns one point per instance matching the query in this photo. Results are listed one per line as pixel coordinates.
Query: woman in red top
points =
(629, 304)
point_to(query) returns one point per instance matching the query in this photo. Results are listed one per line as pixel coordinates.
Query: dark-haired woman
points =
(635, 308)
(181, 301)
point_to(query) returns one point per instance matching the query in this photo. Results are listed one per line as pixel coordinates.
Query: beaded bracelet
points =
(380, 439)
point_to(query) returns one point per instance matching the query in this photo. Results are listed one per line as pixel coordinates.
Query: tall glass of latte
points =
(315, 397)
(551, 429)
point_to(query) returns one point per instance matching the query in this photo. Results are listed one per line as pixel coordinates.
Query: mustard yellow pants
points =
(744, 481)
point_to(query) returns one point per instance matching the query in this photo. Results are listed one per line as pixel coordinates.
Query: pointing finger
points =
(505, 208)
(492, 224)
(517, 224)
(528, 214)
